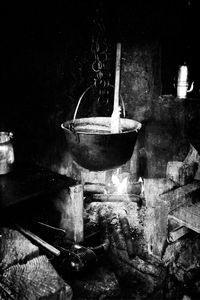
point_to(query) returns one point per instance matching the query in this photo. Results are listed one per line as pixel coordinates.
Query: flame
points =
(142, 186)
(120, 186)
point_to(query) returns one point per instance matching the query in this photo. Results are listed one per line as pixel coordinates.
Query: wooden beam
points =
(188, 215)
(177, 233)
(180, 196)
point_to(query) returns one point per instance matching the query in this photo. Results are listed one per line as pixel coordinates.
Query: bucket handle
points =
(83, 94)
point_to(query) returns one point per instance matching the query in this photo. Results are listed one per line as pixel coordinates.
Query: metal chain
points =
(99, 49)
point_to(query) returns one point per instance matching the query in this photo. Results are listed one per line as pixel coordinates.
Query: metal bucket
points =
(6, 152)
(94, 147)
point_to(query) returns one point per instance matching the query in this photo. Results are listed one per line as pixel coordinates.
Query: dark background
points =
(46, 57)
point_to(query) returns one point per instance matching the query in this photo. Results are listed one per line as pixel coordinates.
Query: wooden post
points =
(72, 213)
(156, 220)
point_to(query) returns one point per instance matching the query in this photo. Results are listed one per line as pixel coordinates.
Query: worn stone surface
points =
(15, 248)
(36, 279)
(25, 274)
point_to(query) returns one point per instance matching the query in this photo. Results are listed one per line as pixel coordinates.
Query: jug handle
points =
(191, 87)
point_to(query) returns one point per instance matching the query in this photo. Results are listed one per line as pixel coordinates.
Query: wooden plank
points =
(177, 233)
(180, 196)
(188, 215)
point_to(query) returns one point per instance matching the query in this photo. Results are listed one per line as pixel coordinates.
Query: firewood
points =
(145, 267)
(114, 228)
(127, 235)
(117, 198)
(136, 263)
(94, 188)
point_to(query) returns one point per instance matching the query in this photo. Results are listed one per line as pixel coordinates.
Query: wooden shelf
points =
(188, 215)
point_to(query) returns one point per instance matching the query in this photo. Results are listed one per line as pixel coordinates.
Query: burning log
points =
(127, 235)
(133, 188)
(123, 228)
(116, 232)
(117, 198)
(121, 242)
(94, 188)
(136, 270)
(145, 267)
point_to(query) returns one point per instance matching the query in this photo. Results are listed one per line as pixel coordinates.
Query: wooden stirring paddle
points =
(115, 118)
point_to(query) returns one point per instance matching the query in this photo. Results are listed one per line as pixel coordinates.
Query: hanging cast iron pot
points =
(92, 144)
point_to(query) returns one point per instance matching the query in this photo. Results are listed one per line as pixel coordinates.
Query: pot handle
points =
(83, 94)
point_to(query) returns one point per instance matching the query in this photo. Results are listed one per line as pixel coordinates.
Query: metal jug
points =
(183, 82)
(6, 152)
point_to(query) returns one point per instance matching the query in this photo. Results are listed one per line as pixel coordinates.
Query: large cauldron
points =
(94, 147)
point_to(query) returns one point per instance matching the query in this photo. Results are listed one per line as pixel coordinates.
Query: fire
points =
(121, 186)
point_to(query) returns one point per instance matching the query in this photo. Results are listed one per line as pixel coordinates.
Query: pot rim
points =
(136, 126)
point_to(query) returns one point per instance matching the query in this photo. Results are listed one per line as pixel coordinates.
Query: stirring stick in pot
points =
(115, 118)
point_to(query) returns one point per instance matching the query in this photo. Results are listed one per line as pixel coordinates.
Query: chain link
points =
(99, 49)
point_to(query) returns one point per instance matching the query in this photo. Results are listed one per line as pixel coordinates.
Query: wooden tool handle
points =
(38, 240)
(115, 118)
(117, 76)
